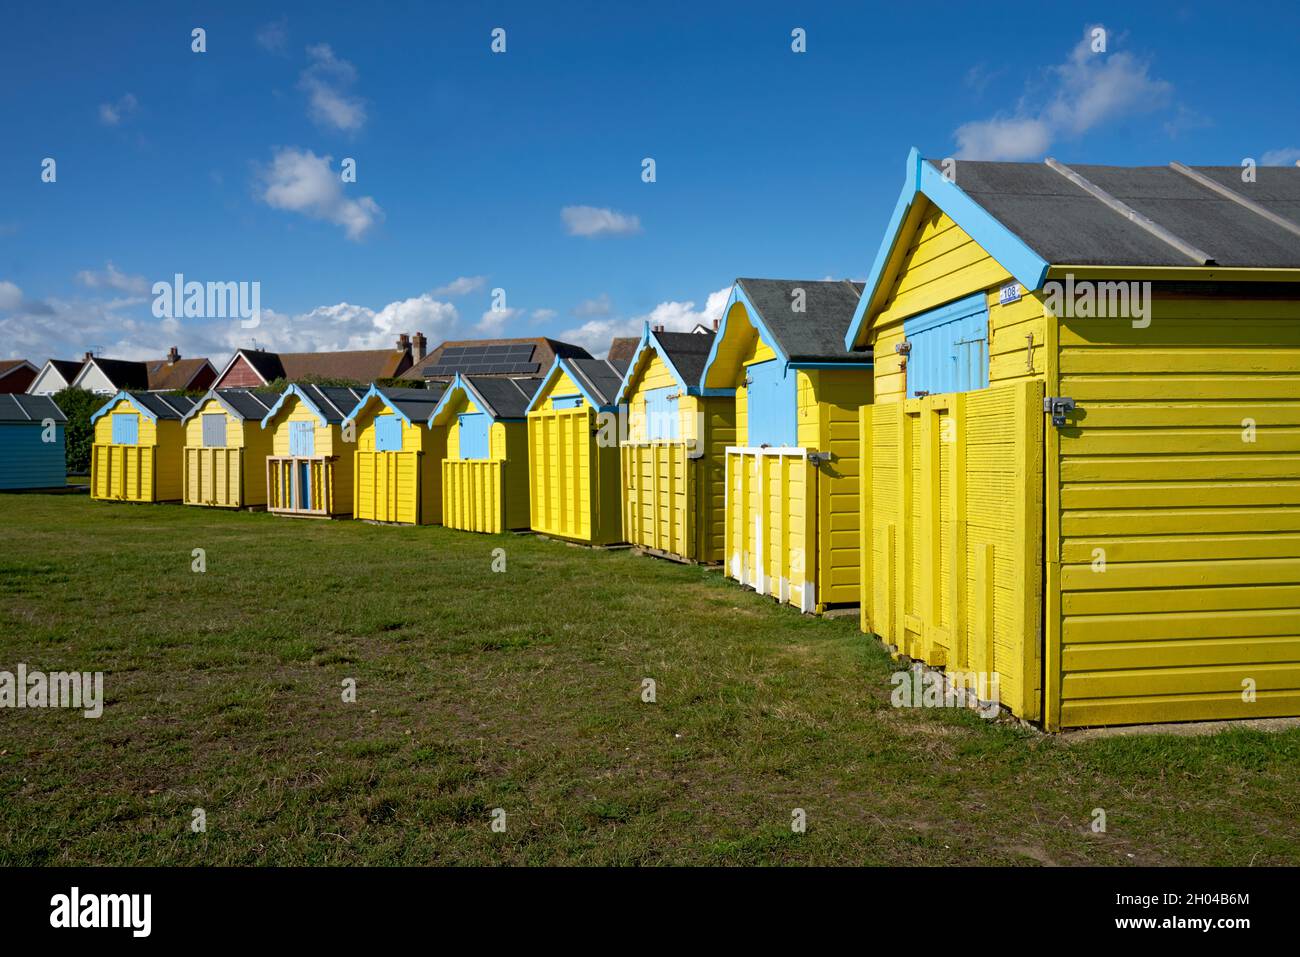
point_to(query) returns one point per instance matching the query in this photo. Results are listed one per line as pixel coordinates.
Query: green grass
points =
(522, 691)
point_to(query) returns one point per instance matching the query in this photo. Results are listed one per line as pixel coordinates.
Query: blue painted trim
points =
(561, 363)
(374, 393)
(463, 384)
(723, 392)
(302, 397)
(941, 315)
(650, 341)
(738, 295)
(1006, 247)
(118, 398)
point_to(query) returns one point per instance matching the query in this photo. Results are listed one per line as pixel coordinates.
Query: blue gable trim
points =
(576, 376)
(103, 409)
(284, 397)
(738, 295)
(648, 341)
(374, 393)
(462, 384)
(1006, 247)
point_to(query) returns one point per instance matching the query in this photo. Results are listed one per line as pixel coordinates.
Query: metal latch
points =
(1058, 405)
(819, 458)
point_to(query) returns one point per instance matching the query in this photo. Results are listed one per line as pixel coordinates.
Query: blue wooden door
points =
(388, 434)
(302, 438)
(474, 435)
(949, 348)
(304, 485)
(661, 419)
(126, 428)
(770, 396)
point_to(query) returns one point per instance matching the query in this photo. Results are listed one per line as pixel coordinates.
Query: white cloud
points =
(1087, 90)
(594, 308)
(675, 316)
(593, 221)
(273, 37)
(111, 114)
(461, 286)
(113, 278)
(302, 182)
(10, 296)
(543, 315)
(326, 81)
(493, 322)
(1288, 156)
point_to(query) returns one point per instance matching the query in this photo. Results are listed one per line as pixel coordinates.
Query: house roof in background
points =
(523, 357)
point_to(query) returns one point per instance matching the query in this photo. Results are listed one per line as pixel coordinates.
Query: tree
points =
(78, 435)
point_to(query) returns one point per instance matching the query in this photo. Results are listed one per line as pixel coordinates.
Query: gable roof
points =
(240, 403)
(330, 403)
(814, 335)
(621, 350)
(685, 354)
(122, 374)
(13, 365)
(413, 405)
(1030, 217)
(500, 398)
(165, 376)
(17, 407)
(358, 365)
(150, 404)
(67, 369)
(597, 379)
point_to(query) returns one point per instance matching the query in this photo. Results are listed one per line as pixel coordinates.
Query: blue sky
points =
(768, 162)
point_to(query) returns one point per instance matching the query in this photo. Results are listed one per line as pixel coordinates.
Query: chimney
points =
(419, 346)
(659, 329)
(86, 357)
(173, 355)
(403, 342)
(715, 323)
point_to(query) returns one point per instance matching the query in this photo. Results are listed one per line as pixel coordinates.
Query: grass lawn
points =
(522, 691)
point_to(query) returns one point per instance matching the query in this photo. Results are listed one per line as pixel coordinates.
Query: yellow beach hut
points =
(673, 448)
(136, 454)
(397, 477)
(309, 471)
(1085, 442)
(573, 452)
(481, 443)
(793, 474)
(224, 457)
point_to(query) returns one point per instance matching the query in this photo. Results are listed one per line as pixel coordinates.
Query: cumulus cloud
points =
(112, 114)
(110, 277)
(10, 296)
(493, 323)
(592, 221)
(273, 37)
(1288, 156)
(543, 315)
(594, 308)
(302, 182)
(461, 286)
(674, 315)
(1086, 91)
(326, 81)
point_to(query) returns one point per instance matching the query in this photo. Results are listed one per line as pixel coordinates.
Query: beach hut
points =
(136, 454)
(792, 476)
(673, 450)
(573, 452)
(309, 470)
(481, 443)
(224, 457)
(397, 476)
(31, 442)
(1085, 437)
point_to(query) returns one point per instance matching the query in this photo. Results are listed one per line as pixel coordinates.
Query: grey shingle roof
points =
(416, 404)
(600, 376)
(504, 398)
(243, 403)
(29, 408)
(817, 333)
(162, 406)
(1066, 225)
(688, 352)
(333, 402)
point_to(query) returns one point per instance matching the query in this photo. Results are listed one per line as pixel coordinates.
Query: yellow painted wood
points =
(474, 495)
(149, 471)
(574, 481)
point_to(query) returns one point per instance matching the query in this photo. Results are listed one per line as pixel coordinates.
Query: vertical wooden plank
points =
(1029, 549)
(866, 594)
(1050, 700)
(902, 563)
(981, 643)
(957, 518)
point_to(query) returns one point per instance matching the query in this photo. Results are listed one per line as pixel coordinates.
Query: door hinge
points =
(1058, 405)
